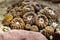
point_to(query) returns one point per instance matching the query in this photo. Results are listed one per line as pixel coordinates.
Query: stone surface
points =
(21, 35)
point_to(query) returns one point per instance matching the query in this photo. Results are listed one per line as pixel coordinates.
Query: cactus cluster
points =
(32, 16)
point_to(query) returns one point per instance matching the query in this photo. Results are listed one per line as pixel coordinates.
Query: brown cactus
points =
(48, 31)
(17, 23)
(41, 21)
(28, 8)
(51, 13)
(29, 17)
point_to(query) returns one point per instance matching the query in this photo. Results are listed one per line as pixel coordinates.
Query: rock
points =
(21, 35)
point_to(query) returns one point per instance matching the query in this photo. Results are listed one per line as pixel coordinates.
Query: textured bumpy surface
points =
(22, 35)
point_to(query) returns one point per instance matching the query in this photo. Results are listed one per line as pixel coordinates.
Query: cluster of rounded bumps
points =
(31, 16)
